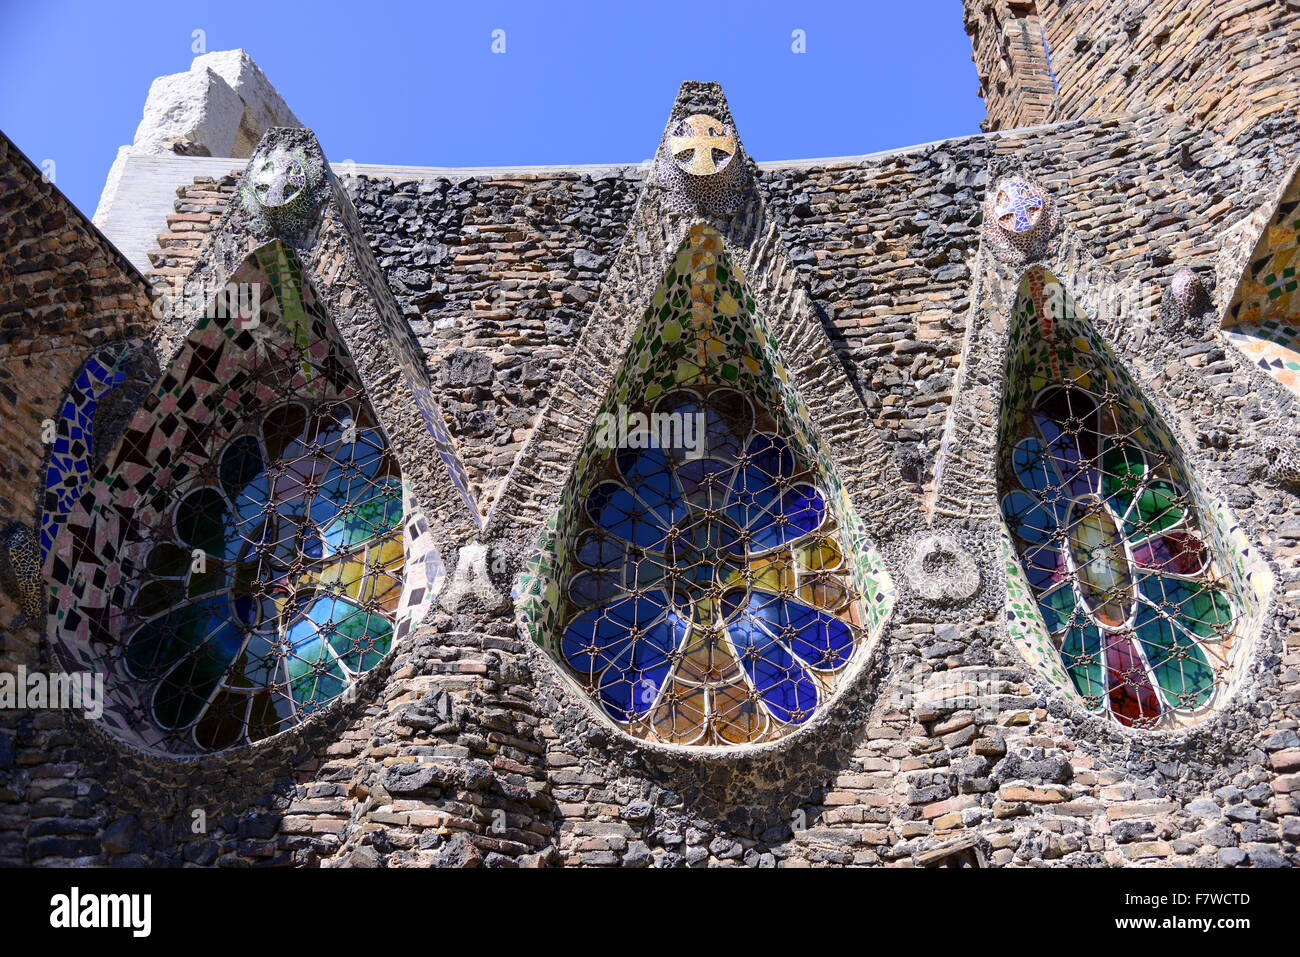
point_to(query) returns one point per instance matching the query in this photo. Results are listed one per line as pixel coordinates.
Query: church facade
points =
(936, 507)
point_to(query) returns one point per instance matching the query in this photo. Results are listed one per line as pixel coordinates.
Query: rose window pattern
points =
(248, 550)
(706, 581)
(711, 597)
(279, 582)
(1116, 555)
(1110, 546)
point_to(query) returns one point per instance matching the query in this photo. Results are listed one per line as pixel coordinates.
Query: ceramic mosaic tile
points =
(1273, 345)
(716, 591)
(1131, 582)
(1264, 318)
(249, 548)
(1019, 217)
(71, 455)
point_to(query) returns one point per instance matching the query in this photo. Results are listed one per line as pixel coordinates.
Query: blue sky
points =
(418, 84)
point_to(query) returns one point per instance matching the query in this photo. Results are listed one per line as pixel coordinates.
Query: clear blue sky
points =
(418, 83)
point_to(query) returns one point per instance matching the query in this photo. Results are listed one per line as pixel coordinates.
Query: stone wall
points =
(64, 291)
(1028, 779)
(883, 245)
(494, 276)
(1224, 63)
(961, 745)
(468, 747)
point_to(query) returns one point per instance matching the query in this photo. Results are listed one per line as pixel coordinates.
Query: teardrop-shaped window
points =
(711, 584)
(1111, 536)
(248, 550)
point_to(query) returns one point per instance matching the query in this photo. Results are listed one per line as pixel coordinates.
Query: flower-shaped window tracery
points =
(705, 579)
(247, 548)
(1110, 546)
(1126, 586)
(298, 535)
(710, 600)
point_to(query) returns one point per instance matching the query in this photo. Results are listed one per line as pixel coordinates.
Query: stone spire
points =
(221, 106)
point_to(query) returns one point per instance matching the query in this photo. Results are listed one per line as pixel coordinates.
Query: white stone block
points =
(222, 105)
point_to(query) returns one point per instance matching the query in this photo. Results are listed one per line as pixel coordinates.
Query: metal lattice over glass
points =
(1121, 563)
(302, 554)
(719, 590)
(710, 596)
(248, 550)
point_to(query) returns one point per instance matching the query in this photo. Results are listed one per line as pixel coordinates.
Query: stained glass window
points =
(1107, 529)
(716, 590)
(711, 600)
(301, 544)
(248, 550)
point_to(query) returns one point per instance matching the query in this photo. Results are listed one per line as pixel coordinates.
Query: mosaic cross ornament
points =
(697, 140)
(277, 178)
(1019, 217)
(285, 182)
(701, 167)
(1018, 205)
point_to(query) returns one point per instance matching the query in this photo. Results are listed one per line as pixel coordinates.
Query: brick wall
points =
(1011, 59)
(1225, 63)
(198, 206)
(64, 290)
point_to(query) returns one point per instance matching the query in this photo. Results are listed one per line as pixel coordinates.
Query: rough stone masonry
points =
(1165, 137)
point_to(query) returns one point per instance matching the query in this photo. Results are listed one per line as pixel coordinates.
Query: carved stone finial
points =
(1188, 292)
(284, 184)
(1183, 300)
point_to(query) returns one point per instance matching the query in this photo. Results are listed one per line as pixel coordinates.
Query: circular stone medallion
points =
(701, 145)
(942, 570)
